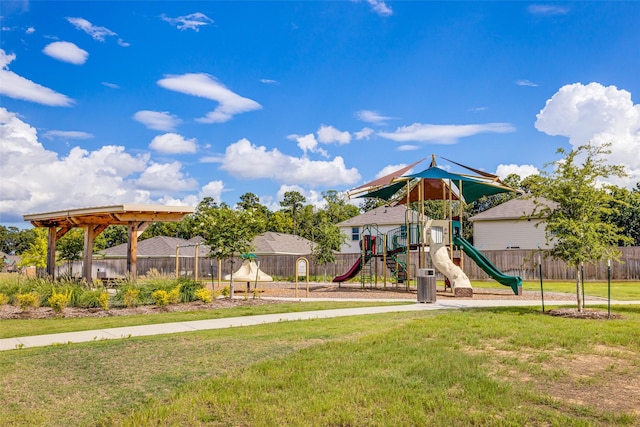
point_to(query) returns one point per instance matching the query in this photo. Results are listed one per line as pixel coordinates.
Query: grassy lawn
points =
(622, 291)
(28, 327)
(506, 367)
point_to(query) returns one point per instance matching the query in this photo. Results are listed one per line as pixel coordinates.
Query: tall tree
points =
(249, 202)
(293, 201)
(338, 208)
(628, 215)
(575, 222)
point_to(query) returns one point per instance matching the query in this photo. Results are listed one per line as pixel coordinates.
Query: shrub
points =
(225, 292)
(173, 296)
(160, 297)
(204, 295)
(58, 301)
(4, 299)
(130, 297)
(28, 301)
(94, 299)
(103, 299)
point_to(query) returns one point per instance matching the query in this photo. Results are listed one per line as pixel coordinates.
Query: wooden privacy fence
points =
(517, 262)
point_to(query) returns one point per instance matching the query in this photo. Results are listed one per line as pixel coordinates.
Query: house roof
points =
(512, 209)
(158, 247)
(268, 243)
(280, 243)
(383, 215)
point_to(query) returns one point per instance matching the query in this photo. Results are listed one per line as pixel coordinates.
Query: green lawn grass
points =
(504, 367)
(622, 291)
(28, 327)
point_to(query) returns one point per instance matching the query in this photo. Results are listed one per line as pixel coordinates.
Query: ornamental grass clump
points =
(58, 301)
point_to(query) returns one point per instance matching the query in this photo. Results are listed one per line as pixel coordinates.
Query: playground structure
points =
(427, 242)
(249, 272)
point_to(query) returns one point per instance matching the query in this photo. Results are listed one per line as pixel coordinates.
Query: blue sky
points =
(118, 102)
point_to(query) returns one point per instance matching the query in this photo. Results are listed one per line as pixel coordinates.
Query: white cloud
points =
(67, 134)
(269, 82)
(212, 189)
(597, 114)
(526, 83)
(35, 179)
(30, 30)
(244, 160)
(111, 85)
(365, 133)
(123, 43)
(522, 171)
(96, 32)
(329, 135)
(372, 117)
(157, 120)
(547, 9)
(18, 87)
(443, 134)
(380, 7)
(312, 197)
(172, 143)
(389, 169)
(66, 52)
(309, 143)
(189, 22)
(208, 87)
(407, 147)
(163, 177)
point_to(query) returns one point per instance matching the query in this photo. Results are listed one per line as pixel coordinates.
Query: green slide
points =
(515, 282)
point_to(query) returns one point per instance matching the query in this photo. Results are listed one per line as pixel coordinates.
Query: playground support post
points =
(582, 282)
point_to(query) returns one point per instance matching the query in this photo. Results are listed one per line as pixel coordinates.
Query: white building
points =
(511, 225)
(377, 221)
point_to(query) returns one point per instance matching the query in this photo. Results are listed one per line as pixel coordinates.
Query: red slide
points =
(355, 269)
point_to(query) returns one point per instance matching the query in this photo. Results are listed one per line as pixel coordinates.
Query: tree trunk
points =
(578, 293)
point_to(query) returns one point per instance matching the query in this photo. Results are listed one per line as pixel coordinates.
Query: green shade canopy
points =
(472, 187)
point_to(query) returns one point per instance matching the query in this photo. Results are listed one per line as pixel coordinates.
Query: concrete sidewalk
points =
(232, 322)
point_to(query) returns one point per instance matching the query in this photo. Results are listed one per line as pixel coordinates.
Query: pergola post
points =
(51, 252)
(88, 252)
(134, 230)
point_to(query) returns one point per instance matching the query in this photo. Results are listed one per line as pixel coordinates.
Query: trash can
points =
(426, 285)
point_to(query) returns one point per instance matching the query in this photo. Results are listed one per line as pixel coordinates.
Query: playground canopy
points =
(437, 184)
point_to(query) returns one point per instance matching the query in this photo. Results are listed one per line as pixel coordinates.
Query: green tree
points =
(328, 239)
(338, 207)
(69, 247)
(15, 240)
(36, 253)
(628, 215)
(293, 202)
(370, 203)
(249, 202)
(280, 222)
(228, 233)
(114, 235)
(575, 222)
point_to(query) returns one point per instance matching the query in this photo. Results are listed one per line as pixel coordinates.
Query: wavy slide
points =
(355, 269)
(515, 282)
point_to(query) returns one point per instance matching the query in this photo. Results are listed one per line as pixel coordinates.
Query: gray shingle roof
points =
(512, 209)
(383, 215)
(281, 243)
(268, 243)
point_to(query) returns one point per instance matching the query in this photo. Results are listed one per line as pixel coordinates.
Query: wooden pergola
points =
(95, 220)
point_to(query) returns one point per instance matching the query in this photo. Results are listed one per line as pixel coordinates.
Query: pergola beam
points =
(95, 220)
